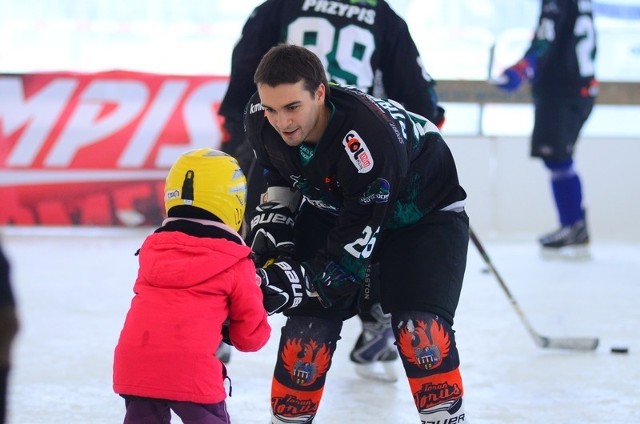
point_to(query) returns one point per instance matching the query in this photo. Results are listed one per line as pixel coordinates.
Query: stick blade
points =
(585, 344)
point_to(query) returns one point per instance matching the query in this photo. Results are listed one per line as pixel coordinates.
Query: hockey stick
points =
(569, 343)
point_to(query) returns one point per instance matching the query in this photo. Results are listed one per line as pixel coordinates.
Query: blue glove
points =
(439, 119)
(515, 75)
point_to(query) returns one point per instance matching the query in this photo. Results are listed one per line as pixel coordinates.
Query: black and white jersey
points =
(564, 47)
(376, 166)
(360, 43)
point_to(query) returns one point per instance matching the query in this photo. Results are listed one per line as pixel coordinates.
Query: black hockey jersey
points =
(376, 166)
(564, 49)
(360, 43)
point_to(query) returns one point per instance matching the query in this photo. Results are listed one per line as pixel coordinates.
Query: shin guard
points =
(306, 347)
(427, 347)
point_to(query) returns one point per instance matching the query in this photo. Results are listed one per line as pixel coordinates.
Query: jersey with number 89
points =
(360, 43)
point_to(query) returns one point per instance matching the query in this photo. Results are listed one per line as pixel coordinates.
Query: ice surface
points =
(74, 287)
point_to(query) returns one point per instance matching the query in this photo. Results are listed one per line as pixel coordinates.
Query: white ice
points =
(73, 289)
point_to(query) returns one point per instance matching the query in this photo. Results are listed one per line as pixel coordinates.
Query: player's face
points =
(294, 112)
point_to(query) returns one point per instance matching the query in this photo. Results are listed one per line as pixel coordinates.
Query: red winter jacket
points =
(186, 287)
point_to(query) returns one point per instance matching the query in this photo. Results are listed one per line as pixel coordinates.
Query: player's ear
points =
(321, 92)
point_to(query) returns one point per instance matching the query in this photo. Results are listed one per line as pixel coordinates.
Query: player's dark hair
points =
(289, 64)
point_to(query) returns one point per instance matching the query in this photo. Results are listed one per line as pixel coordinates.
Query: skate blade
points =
(569, 253)
(379, 371)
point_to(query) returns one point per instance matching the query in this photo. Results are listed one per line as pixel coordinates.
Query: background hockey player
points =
(360, 43)
(8, 330)
(560, 64)
(195, 273)
(380, 190)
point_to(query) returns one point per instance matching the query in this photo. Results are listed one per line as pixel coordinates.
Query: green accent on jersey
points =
(357, 267)
(306, 152)
(406, 211)
(358, 50)
(372, 3)
(310, 38)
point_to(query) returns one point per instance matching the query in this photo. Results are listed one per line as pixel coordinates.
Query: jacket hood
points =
(174, 259)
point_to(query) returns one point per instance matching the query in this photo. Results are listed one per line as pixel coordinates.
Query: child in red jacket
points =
(195, 273)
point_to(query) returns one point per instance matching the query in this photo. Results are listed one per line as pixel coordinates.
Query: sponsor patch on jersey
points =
(255, 107)
(377, 192)
(358, 152)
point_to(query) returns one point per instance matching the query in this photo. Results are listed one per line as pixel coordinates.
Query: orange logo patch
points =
(426, 346)
(305, 362)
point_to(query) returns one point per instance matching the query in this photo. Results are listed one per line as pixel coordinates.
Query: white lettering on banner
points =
(147, 133)
(85, 127)
(200, 121)
(38, 115)
(48, 127)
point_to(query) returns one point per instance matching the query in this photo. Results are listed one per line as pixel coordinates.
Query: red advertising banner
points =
(94, 149)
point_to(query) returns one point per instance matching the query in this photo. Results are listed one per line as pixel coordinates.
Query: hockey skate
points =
(451, 411)
(374, 353)
(569, 242)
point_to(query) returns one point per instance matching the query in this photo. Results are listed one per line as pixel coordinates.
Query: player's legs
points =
(374, 350)
(428, 351)
(556, 129)
(146, 411)
(306, 347)
(567, 191)
(422, 269)
(194, 413)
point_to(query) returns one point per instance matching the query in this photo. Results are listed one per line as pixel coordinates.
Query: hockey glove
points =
(515, 75)
(439, 119)
(271, 233)
(284, 286)
(225, 333)
(333, 285)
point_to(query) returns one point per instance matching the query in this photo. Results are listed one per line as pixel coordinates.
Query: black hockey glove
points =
(225, 333)
(333, 285)
(284, 285)
(271, 233)
(439, 118)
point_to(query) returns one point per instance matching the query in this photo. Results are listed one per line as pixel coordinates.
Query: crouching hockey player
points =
(359, 190)
(358, 43)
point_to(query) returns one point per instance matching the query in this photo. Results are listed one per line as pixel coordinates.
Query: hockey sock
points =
(306, 347)
(430, 358)
(567, 191)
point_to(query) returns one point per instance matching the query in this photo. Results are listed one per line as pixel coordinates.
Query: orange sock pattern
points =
(435, 389)
(290, 403)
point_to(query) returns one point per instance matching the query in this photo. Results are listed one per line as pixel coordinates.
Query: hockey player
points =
(360, 43)
(8, 330)
(560, 65)
(380, 190)
(195, 273)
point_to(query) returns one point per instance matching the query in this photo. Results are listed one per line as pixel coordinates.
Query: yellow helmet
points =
(211, 180)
